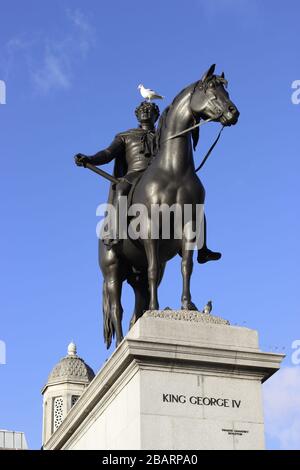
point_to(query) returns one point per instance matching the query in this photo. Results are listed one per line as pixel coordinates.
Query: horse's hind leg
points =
(140, 286)
(114, 287)
(186, 271)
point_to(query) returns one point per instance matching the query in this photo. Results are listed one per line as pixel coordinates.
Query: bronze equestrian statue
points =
(163, 172)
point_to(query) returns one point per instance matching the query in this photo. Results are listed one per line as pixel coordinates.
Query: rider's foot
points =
(205, 255)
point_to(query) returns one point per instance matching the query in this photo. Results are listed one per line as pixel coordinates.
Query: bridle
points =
(199, 124)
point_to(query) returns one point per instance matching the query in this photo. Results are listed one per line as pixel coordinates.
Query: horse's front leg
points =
(186, 271)
(151, 249)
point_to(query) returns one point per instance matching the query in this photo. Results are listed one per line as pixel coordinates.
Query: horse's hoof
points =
(119, 341)
(154, 306)
(189, 306)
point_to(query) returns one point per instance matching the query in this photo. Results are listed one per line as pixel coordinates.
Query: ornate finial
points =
(72, 349)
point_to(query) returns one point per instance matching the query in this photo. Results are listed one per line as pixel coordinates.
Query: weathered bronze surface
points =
(162, 169)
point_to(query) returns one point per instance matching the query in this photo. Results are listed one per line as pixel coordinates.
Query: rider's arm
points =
(115, 149)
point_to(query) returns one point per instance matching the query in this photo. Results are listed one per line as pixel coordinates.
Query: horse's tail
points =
(108, 327)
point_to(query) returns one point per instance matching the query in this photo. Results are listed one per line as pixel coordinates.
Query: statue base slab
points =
(179, 380)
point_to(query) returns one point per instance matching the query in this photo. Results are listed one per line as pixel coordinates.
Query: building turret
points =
(66, 383)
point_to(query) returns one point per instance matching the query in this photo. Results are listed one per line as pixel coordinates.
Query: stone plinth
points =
(179, 380)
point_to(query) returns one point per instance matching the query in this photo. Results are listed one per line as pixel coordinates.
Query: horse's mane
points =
(162, 123)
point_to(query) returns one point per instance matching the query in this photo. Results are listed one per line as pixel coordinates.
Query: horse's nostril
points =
(232, 109)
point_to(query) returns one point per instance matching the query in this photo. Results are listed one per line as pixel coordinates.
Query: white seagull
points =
(149, 94)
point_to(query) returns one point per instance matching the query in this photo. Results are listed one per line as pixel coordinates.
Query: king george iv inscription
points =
(201, 401)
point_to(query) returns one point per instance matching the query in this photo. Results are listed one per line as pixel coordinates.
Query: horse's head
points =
(210, 99)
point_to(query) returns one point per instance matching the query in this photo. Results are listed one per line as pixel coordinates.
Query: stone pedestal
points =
(179, 380)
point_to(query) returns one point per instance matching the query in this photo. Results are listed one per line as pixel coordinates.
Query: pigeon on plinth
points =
(208, 308)
(149, 94)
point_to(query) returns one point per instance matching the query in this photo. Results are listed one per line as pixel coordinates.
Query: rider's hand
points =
(81, 159)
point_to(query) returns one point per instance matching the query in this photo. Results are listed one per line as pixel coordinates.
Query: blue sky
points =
(71, 70)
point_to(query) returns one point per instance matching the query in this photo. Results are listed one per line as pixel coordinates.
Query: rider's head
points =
(147, 113)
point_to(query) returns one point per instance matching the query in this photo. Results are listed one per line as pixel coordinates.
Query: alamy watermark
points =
(296, 94)
(2, 92)
(159, 221)
(296, 354)
(2, 352)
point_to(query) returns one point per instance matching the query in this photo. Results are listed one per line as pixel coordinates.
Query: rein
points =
(210, 150)
(194, 127)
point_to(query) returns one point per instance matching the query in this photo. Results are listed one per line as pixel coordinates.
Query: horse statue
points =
(170, 179)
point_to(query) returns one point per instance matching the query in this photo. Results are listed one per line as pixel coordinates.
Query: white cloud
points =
(54, 72)
(51, 62)
(85, 32)
(11, 51)
(62, 55)
(282, 407)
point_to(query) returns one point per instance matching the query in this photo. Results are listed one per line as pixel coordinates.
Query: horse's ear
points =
(222, 75)
(209, 73)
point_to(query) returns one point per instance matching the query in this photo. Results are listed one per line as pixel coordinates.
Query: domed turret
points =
(70, 368)
(66, 383)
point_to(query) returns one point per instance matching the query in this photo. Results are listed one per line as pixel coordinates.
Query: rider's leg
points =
(205, 254)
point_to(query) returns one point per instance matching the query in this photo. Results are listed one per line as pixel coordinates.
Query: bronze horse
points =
(170, 179)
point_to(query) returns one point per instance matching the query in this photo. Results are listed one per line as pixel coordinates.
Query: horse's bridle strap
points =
(210, 150)
(187, 130)
(194, 127)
